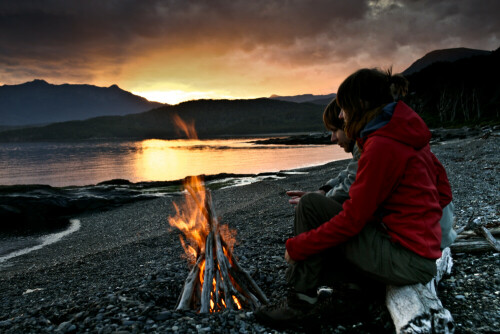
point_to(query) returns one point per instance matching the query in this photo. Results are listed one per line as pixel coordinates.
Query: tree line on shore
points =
(463, 92)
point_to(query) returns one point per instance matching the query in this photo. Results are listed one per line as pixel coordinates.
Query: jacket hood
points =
(399, 122)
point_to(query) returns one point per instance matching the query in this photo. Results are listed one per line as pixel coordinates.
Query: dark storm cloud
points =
(40, 36)
(41, 28)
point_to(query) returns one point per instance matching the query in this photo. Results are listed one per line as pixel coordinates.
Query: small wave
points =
(240, 181)
(44, 241)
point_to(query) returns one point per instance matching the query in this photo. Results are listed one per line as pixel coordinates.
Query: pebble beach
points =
(122, 271)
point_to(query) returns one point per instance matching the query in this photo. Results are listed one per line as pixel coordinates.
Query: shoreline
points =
(34, 208)
(123, 269)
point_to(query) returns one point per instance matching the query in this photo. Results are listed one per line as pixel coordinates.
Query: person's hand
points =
(288, 258)
(295, 196)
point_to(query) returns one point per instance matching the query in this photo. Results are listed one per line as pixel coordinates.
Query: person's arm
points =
(340, 192)
(379, 169)
(442, 183)
(448, 234)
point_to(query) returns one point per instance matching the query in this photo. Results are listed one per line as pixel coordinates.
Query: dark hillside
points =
(466, 91)
(446, 55)
(212, 118)
(305, 98)
(38, 102)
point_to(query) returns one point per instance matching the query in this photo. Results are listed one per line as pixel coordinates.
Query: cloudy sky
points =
(176, 50)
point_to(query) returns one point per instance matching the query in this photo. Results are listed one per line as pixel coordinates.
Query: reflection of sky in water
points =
(83, 163)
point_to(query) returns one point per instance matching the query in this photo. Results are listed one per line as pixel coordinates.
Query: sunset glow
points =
(173, 51)
(178, 96)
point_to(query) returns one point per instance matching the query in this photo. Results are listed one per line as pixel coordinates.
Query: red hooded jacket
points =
(399, 183)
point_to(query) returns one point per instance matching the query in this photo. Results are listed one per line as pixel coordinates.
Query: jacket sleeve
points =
(448, 233)
(340, 192)
(379, 170)
(442, 183)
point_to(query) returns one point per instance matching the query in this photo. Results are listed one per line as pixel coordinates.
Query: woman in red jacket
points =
(388, 231)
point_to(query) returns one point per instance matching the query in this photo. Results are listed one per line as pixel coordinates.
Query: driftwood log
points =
(226, 285)
(476, 240)
(416, 309)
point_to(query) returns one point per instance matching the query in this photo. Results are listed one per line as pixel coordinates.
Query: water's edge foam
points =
(45, 240)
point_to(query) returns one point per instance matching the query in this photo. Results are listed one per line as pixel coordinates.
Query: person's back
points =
(410, 211)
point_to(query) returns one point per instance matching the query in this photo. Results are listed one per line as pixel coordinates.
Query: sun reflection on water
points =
(85, 163)
(157, 159)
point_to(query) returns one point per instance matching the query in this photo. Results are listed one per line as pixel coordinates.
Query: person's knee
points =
(309, 198)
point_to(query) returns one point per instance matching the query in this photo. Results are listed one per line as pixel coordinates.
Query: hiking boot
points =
(293, 311)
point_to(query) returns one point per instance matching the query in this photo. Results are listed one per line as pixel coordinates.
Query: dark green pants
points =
(369, 255)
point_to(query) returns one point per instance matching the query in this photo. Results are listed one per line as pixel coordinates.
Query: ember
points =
(216, 280)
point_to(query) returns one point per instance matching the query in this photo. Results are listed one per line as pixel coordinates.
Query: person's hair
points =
(362, 96)
(331, 116)
(399, 86)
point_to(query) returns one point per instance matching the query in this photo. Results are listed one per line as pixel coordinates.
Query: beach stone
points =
(66, 327)
(109, 260)
(5, 323)
(165, 315)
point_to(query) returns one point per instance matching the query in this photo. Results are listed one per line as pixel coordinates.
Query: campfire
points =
(216, 280)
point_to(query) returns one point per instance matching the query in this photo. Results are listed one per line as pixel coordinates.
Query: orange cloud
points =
(231, 48)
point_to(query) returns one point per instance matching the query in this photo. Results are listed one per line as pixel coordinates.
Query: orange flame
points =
(191, 219)
(187, 128)
(237, 302)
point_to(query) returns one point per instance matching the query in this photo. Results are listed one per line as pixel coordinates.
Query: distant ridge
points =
(316, 99)
(39, 102)
(444, 55)
(212, 118)
(459, 92)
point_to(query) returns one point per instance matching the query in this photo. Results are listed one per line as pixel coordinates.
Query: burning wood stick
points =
(226, 282)
(189, 285)
(252, 284)
(222, 283)
(208, 275)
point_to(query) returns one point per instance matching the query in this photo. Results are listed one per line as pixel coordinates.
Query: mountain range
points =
(38, 102)
(457, 93)
(212, 118)
(121, 114)
(445, 55)
(316, 99)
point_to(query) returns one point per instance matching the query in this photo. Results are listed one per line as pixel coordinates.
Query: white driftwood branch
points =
(189, 285)
(495, 231)
(490, 238)
(416, 309)
(473, 240)
(471, 246)
(443, 266)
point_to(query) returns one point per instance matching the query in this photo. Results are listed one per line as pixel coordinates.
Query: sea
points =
(75, 168)
(90, 162)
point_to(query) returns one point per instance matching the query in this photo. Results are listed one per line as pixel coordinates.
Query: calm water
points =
(86, 163)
